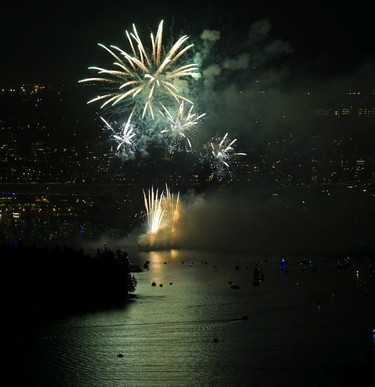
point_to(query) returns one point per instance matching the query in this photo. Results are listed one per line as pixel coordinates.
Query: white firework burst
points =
(179, 124)
(222, 152)
(124, 137)
(162, 214)
(144, 76)
(154, 205)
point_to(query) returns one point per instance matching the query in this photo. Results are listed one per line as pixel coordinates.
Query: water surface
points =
(304, 325)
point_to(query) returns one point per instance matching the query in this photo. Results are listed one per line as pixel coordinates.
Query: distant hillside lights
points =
(366, 112)
(343, 112)
(24, 89)
(359, 105)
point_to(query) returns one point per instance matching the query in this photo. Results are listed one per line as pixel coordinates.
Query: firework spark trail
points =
(178, 124)
(144, 75)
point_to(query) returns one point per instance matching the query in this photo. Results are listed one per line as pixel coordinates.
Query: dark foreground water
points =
(304, 325)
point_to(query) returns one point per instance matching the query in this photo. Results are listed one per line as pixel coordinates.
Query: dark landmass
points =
(44, 282)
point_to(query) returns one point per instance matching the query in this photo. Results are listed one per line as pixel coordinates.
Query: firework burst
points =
(179, 124)
(162, 214)
(172, 207)
(124, 136)
(222, 152)
(154, 212)
(143, 76)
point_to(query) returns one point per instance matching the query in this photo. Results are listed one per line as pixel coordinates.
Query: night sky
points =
(45, 41)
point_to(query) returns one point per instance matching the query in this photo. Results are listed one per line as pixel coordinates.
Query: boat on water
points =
(258, 274)
(343, 263)
(135, 268)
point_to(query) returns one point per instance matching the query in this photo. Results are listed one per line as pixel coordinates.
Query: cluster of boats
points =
(258, 278)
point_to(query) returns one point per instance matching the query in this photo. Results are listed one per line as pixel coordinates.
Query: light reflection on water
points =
(191, 331)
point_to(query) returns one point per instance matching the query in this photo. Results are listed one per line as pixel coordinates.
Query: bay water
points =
(310, 322)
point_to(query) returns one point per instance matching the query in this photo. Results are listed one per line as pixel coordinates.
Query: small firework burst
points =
(124, 136)
(222, 153)
(179, 126)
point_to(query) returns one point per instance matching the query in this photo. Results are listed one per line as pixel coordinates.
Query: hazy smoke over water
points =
(260, 222)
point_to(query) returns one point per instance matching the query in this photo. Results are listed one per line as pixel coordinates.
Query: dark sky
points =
(50, 41)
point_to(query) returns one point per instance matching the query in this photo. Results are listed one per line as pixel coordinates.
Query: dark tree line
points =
(58, 280)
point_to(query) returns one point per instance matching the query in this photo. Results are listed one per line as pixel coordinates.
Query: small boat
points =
(343, 263)
(135, 269)
(258, 274)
